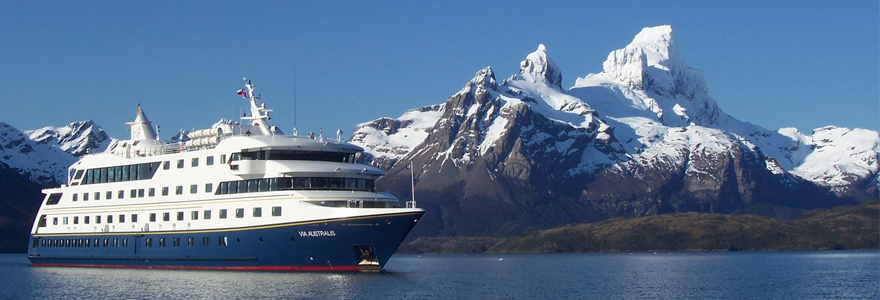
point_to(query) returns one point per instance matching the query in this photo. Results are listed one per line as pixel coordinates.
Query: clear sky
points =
(803, 64)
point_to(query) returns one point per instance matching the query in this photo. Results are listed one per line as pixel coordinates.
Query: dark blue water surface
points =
(752, 275)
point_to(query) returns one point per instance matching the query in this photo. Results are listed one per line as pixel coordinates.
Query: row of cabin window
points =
(194, 215)
(295, 155)
(79, 243)
(135, 172)
(118, 173)
(139, 193)
(190, 241)
(294, 183)
(194, 162)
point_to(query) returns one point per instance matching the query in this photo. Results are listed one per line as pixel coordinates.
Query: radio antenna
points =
(294, 98)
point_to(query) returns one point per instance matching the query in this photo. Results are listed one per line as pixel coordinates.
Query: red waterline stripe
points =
(265, 268)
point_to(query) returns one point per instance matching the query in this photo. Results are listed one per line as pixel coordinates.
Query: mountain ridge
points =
(642, 137)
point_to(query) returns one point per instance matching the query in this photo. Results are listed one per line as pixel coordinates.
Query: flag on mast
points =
(242, 93)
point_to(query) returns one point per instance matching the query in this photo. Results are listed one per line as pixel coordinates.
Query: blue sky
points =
(803, 64)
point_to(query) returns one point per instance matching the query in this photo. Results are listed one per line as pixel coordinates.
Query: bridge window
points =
(55, 198)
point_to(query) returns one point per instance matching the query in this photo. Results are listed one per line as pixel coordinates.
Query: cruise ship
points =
(236, 196)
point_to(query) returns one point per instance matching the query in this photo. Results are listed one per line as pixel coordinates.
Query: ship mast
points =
(259, 114)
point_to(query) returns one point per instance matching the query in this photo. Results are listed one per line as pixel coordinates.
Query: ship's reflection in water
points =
(831, 274)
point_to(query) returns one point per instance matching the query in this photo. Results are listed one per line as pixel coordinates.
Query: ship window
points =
(193, 188)
(97, 243)
(209, 160)
(276, 211)
(53, 199)
(79, 174)
(209, 187)
(223, 214)
(75, 220)
(111, 174)
(55, 221)
(133, 169)
(90, 176)
(97, 219)
(179, 190)
(148, 242)
(175, 242)
(206, 241)
(85, 196)
(207, 215)
(161, 242)
(86, 220)
(109, 195)
(152, 217)
(242, 186)
(180, 164)
(140, 193)
(190, 241)
(120, 194)
(115, 242)
(109, 218)
(75, 196)
(273, 184)
(194, 215)
(118, 173)
(105, 174)
(258, 212)
(121, 218)
(233, 187)
(264, 185)
(253, 185)
(166, 165)
(133, 193)
(239, 213)
(223, 158)
(98, 175)
(222, 241)
(166, 217)
(125, 243)
(143, 171)
(97, 196)
(64, 221)
(180, 216)
(165, 191)
(195, 162)
(106, 243)
(125, 170)
(224, 188)
(134, 218)
(299, 183)
(151, 192)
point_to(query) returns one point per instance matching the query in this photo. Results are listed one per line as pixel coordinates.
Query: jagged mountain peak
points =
(77, 138)
(538, 67)
(654, 78)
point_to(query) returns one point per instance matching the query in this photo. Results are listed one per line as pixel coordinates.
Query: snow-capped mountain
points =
(44, 154)
(641, 137)
(76, 138)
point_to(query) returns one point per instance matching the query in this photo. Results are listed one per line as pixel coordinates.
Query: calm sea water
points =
(755, 275)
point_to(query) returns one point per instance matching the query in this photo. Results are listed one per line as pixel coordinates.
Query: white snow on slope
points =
(412, 132)
(42, 163)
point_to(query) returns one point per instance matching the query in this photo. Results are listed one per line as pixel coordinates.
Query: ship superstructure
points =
(234, 196)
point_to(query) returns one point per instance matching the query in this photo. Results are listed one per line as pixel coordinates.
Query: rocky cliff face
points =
(642, 137)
